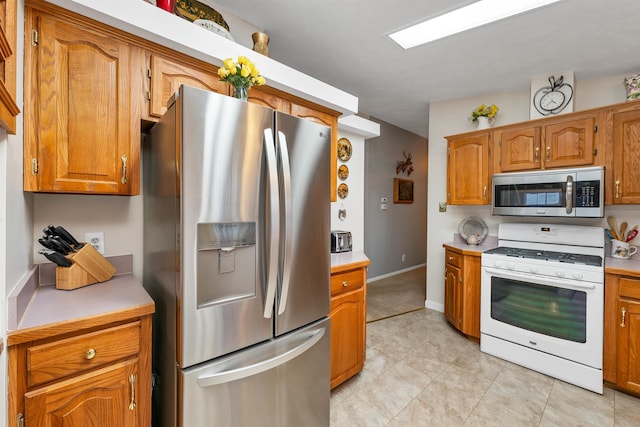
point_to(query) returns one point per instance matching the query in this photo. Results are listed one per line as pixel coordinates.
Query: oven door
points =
(562, 317)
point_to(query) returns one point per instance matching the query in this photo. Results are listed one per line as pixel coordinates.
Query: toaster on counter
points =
(340, 241)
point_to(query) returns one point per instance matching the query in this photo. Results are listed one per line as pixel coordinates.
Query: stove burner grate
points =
(569, 258)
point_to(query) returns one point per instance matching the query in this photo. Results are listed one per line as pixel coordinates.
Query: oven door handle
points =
(560, 283)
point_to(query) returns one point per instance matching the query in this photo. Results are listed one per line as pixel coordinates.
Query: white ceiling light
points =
(474, 15)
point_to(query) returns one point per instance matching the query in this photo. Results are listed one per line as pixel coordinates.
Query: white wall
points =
(354, 202)
(16, 216)
(451, 117)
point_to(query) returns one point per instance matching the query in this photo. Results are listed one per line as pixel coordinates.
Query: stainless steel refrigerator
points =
(237, 259)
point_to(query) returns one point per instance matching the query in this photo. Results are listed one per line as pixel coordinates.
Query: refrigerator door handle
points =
(274, 224)
(264, 365)
(283, 151)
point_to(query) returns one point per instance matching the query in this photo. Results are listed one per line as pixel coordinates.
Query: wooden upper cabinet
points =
(267, 97)
(624, 185)
(569, 143)
(166, 76)
(519, 149)
(80, 133)
(468, 171)
(8, 34)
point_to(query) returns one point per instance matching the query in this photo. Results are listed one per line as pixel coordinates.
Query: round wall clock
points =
(553, 98)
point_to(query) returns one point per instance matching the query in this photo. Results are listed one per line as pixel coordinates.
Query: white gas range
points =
(542, 300)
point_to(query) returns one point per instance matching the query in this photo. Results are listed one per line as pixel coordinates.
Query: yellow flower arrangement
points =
(484, 111)
(242, 73)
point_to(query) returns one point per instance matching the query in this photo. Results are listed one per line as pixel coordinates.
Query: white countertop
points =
(346, 258)
(144, 20)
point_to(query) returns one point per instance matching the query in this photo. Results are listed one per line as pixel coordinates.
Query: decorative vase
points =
(485, 122)
(241, 92)
(632, 85)
(261, 43)
(167, 5)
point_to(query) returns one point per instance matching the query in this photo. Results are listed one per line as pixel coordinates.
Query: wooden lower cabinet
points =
(348, 322)
(98, 376)
(622, 331)
(462, 290)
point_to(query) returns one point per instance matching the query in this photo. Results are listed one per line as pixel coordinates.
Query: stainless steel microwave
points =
(577, 192)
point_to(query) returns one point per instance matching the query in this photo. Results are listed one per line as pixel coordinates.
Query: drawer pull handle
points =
(617, 196)
(450, 258)
(345, 283)
(624, 314)
(90, 354)
(132, 381)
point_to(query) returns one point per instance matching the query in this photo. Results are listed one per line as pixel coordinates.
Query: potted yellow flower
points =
(241, 75)
(484, 115)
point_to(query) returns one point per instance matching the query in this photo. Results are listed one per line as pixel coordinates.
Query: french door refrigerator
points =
(237, 259)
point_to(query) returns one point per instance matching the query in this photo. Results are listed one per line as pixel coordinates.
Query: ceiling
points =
(344, 43)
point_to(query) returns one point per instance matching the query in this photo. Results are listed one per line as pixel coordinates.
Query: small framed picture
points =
(402, 190)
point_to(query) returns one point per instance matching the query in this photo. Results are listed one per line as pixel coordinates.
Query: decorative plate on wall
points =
(343, 190)
(473, 226)
(343, 172)
(344, 149)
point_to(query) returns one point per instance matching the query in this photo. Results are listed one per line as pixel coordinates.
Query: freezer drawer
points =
(280, 383)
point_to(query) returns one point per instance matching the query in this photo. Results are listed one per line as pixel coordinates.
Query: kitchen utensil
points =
(623, 230)
(608, 233)
(614, 227)
(56, 257)
(631, 235)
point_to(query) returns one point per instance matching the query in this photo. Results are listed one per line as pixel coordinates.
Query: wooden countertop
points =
(348, 261)
(51, 311)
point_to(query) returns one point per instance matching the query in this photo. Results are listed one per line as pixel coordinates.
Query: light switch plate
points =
(443, 207)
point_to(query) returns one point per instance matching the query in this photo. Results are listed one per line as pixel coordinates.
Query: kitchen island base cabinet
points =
(462, 291)
(348, 322)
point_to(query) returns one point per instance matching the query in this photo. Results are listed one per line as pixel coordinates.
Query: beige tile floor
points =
(420, 372)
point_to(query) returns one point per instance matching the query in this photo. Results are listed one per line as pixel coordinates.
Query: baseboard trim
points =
(434, 306)
(395, 273)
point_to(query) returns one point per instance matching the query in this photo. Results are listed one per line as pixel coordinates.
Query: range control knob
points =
(533, 269)
(560, 273)
(511, 266)
(577, 275)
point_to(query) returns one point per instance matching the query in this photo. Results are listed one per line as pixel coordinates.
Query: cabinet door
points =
(452, 285)
(468, 170)
(628, 367)
(626, 158)
(569, 143)
(262, 96)
(168, 75)
(519, 149)
(327, 120)
(347, 335)
(80, 133)
(104, 398)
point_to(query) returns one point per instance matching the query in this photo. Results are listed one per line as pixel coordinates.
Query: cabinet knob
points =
(345, 283)
(450, 258)
(90, 354)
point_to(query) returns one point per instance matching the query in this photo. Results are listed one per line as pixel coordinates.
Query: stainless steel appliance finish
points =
(341, 241)
(236, 257)
(552, 193)
(542, 300)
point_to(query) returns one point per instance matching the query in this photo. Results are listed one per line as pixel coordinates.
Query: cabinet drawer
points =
(52, 361)
(453, 258)
(629, 288)
(347, 281)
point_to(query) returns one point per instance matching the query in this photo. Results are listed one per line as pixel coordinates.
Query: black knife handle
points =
(65, 235)
(56, 258)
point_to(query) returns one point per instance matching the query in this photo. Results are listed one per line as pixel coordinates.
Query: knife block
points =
(89, 267)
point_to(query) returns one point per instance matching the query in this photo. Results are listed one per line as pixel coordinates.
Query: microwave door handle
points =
(274, 222)
(569, 194)
(283, 151)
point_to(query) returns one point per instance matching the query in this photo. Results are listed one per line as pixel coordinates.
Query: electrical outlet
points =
(443, 206)
(96, 240)
(404, 257)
